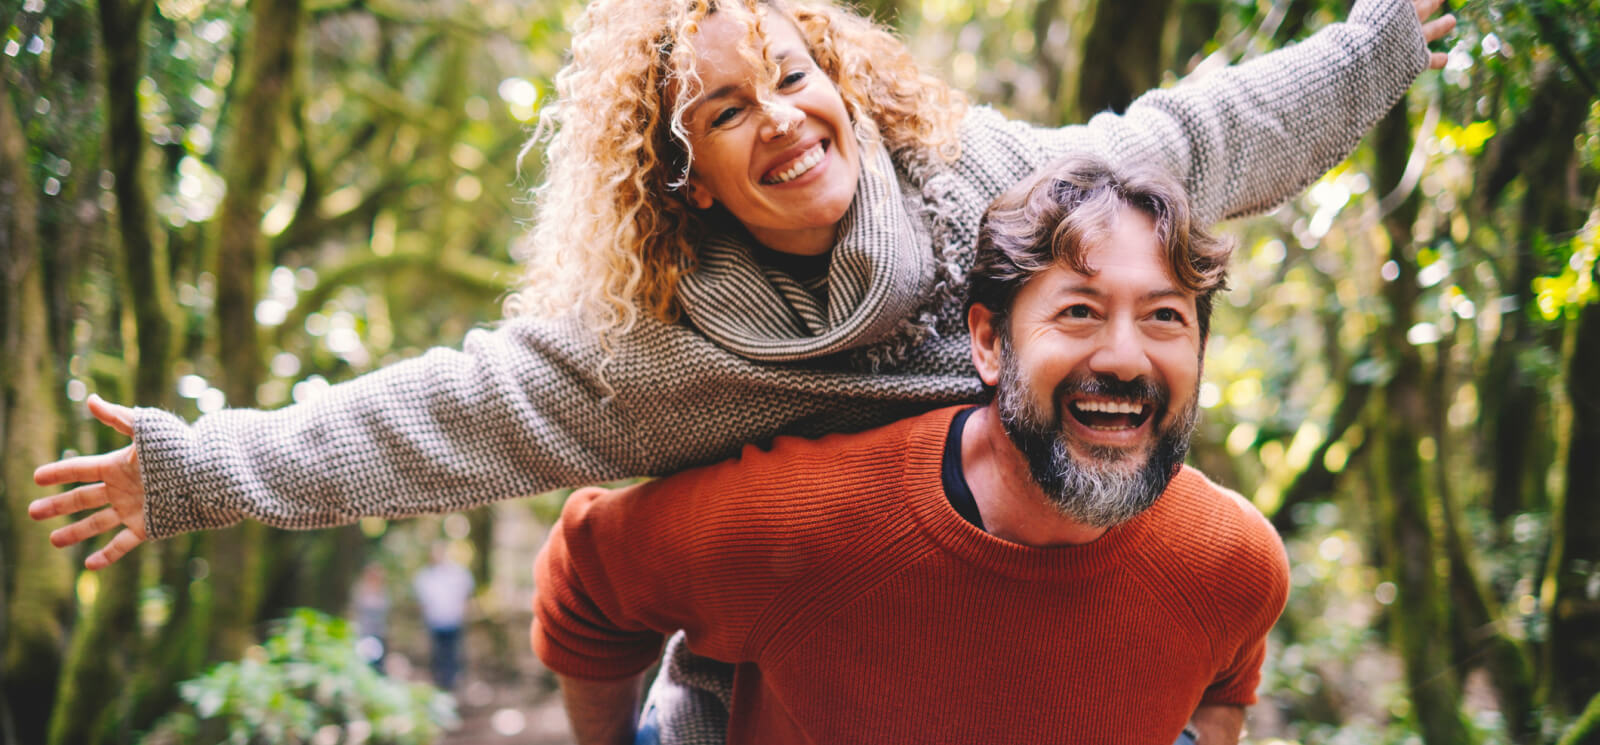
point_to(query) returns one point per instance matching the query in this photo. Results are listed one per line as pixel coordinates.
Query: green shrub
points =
(306, 685)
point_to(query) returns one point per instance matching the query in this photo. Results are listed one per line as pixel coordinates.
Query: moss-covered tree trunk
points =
(254, 165)
(36, 580)
(1123, 55)
(1420, 617)
(1574, 643)
(93, 703)
(1539, 151)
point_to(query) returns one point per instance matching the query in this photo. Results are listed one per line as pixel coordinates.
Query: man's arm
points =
(602, 712)
(1218, 724)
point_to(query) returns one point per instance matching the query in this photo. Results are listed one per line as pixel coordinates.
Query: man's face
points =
(1098, 376)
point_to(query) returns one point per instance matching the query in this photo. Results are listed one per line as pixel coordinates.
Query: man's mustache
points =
(1101, 385)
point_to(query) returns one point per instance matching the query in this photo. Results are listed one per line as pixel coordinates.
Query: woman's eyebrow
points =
(724, 91)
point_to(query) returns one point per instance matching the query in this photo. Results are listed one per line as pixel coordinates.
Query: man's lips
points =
(796, 164)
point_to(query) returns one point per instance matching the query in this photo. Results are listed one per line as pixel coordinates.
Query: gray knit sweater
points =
(521, 408)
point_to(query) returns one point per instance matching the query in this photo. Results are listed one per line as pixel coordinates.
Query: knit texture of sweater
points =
(527, 407)
(860, 607)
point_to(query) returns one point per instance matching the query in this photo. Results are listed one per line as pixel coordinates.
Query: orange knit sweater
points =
(860, 608)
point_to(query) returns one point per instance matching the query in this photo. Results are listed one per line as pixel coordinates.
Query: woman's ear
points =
(699, 197)
(985, 343)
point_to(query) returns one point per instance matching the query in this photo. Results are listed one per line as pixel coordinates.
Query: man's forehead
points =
(1127, 253)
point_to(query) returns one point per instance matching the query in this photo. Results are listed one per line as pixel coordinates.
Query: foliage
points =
(307, 684)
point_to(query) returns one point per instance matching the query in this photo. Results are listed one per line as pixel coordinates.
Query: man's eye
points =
(724, 116)
(792, 79)
(1168, 315)
(1078, 311)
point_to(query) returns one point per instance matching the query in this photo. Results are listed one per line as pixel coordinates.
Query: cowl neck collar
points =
(882, 270)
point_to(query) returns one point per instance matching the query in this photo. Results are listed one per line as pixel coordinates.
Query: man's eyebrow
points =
(1172, 292)
(1092, 291)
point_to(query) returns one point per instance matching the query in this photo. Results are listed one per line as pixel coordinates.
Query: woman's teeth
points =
(803, 164)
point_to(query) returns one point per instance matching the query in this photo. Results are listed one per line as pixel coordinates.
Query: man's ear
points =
(985, 343)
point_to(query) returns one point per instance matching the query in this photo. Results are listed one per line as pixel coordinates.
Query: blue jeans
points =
(446, 656)
(650, 734)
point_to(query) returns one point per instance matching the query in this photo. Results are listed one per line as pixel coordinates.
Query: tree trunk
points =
(1585, 731)
(1124, 47)
(254, 163)
(1197, 21)
(1574, 644)
(1057, 26)
(1480, 632)
(144, 255)
(36, 580)
(93, 703)
(1404, 493)
(1540, 150)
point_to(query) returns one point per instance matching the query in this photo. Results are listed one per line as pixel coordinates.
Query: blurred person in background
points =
(370, 603)
(444, 588)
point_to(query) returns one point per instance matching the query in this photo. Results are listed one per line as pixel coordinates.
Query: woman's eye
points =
(792, 79)
(1078, 311)
(724, 116)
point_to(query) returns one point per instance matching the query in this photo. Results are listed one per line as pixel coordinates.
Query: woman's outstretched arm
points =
(1244, 139)
(516, 411)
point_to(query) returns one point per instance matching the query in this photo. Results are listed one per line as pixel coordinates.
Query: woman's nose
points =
(782, 119)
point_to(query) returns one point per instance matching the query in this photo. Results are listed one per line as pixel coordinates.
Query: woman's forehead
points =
(729, 39)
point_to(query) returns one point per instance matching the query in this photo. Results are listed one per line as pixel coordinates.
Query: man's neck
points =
(1011, 503)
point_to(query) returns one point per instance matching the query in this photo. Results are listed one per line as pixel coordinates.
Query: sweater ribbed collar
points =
(942, 524)
(882, 270)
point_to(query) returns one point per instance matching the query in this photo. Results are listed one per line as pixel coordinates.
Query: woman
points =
(755, 221)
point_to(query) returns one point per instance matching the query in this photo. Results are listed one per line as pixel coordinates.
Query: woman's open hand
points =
(112, 487)
(1434, 29)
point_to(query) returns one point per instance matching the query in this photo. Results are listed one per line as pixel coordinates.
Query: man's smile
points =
(1109, 415)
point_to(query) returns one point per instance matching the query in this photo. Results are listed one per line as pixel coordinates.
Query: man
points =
(1040, 569)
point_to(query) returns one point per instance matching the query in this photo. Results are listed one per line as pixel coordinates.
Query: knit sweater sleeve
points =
(1245, 138)
(515, 411)
(1249, 589)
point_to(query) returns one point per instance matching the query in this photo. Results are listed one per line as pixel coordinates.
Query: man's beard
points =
(1103, 489)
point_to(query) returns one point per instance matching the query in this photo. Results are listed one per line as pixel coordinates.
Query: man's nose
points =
(1119, 351)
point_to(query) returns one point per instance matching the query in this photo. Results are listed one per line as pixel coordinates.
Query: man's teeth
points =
(1110, 407)
(805, 163)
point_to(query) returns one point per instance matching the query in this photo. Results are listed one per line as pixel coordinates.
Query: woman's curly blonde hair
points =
(612, 234)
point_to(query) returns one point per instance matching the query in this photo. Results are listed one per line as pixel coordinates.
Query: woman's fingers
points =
(86, 497)
(88, 527)
(1434, 29)
(1426, 8)
(118, 547)
(1438, 28)
(119, 418)
(77, 469)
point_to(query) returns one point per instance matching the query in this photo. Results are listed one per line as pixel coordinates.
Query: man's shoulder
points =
(786, 490)
(1220, 533)
(821, 462)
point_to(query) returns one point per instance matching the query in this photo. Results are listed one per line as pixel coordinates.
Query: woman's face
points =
(786, 170)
